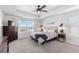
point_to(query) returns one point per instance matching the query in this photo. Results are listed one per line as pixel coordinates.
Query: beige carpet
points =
(3, 47)
(29, 46)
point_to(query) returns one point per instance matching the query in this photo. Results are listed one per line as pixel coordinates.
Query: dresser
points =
(11, 32)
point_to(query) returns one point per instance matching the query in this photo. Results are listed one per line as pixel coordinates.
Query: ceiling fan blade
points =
(43, 6)
(43, 10)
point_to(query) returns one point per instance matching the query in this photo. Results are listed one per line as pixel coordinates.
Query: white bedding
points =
(49, 35)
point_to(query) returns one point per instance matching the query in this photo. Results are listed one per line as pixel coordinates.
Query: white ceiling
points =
(30, 9)
(8, 9)
(27, 11)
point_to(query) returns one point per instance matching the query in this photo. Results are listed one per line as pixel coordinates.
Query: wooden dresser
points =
(10, 32)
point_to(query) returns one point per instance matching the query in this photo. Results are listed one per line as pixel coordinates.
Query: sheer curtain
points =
(25, 28)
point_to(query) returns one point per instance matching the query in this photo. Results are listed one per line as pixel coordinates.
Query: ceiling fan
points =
(40, 8)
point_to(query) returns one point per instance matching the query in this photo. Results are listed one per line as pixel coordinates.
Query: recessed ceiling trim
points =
(20, 11)
(61, 12)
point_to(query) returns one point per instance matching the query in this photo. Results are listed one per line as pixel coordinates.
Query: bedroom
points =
(23, 15)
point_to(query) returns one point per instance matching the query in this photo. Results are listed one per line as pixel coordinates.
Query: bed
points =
(49, 35)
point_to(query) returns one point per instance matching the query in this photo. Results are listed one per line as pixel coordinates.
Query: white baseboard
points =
(72, 42)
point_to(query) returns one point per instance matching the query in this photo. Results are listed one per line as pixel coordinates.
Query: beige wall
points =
(69, 20)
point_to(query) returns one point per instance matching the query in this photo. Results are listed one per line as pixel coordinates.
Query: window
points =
(74, 22)
(26, 25)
